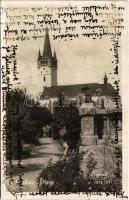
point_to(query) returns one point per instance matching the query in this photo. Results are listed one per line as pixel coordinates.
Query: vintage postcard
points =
(64, 100)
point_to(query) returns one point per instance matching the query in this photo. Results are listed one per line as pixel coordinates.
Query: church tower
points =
(47, 64)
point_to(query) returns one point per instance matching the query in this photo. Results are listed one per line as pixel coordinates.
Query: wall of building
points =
(53, 76)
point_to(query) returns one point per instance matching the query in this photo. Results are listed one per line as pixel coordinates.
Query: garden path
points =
(40, 156)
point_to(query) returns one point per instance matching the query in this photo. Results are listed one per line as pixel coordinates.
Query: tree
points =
(24, 124)
(68, 117)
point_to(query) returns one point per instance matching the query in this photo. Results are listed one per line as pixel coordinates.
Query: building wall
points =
(48, 72)
(45, 71)
(53, 76)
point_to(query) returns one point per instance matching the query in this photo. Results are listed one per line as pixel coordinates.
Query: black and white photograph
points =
(64, 73)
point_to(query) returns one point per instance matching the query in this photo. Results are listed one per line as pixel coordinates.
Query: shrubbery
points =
(66, 176)
(24, 123)
(68, 117)
(62, 176)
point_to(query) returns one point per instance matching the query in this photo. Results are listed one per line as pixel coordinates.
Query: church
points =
(101, 120)
(48, 66)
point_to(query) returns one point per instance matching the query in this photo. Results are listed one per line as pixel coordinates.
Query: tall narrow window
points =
(44, 78)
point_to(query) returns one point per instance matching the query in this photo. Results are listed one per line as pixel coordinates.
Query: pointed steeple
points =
(55, 55)
(105, 79)
(47, 53)
(39, 55)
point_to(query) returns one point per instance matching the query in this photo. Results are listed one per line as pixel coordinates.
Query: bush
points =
(24, 124)
(68, 117)
(66, 176)
(61, 176)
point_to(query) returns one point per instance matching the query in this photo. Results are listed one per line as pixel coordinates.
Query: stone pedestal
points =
(104, 157)
(106, 131)
(87, 131)
(89, 140)
(102, 154)
(101, 150)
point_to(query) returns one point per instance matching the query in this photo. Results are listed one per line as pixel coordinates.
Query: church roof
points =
(47, 47)
(73, 90)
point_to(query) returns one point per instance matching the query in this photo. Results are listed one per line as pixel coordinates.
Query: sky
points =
(79, 61)
(82, 60)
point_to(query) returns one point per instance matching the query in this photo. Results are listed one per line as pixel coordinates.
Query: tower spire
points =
(47, 62)
(39, 55)
(105, 79)
(47, 53)
(55, 55)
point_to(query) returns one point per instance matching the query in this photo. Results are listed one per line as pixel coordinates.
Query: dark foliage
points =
(61, 176)
(24, 124)
(66, 176)
(68, 117)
